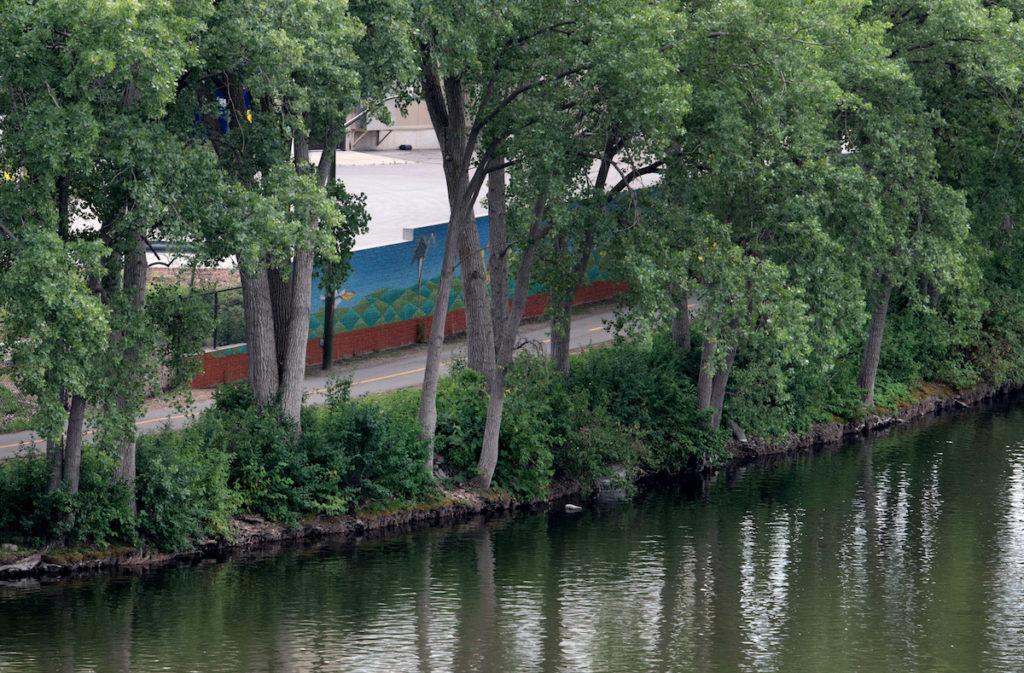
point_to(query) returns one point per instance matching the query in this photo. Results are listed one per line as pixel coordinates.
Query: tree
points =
(510, 86)
(334, 271)
(912, 244)
(966, 61)
(80, 79)
(272, 78)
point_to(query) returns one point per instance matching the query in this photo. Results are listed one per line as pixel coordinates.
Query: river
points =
(900, 553)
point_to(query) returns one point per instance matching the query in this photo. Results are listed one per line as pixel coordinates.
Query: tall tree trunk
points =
(474, 298)
(481, 337)
(260, 338)
(718, 386)
(681, 326)
(73, 443)
(435, 344)
(294, 371)
(281, 310)
(492, 429)
(57, 453)
(498, 244)
(509, 317)
(511, 313)
(135, 274)
(327, 170)
(561, 320)
(561, 331)
(328, 359)
(561, 328)
(706, 374)
(873, 346)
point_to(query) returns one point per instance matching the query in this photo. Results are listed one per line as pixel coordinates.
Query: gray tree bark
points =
(479, 330)
(561, 332)
(435, 344)
(718, 386)
(492, 429)
(328, 331)
(280, 310)
(498, 247)
(66, 461)
(300, 286)
(294, 371)
(873, 345)
(561, 328)
(446, 105)
(134, 283)
(73, 443)
(705, 375)
(260, 338)
(459, 140)
(681, 326)
(499, 356)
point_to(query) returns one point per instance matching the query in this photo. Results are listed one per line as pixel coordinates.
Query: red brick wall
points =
(218, 369)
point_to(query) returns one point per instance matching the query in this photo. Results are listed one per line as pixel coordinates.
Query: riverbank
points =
(252, 534)
(932, 400)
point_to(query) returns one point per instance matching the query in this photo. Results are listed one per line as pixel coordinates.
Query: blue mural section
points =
(392, 283)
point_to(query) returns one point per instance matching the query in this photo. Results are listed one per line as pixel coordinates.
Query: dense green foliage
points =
(620, 413)
(839, 203)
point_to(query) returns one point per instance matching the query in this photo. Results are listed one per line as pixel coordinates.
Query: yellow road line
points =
(17, 444)
(385, 377)
(160, 419)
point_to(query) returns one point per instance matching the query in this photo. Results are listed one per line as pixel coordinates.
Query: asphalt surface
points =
(378, 373)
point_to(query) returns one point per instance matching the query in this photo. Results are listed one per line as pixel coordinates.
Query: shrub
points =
(182, 487)
(596, 445)
(461, 412)
(366, 451)
(647, 389)
(396, 465)
(24, 510)
(98, 514)
(525, 446)
(529, 427)
(268, 465)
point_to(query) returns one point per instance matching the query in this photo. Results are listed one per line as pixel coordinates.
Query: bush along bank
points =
(240, 474)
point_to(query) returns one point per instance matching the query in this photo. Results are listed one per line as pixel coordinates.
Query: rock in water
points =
(571, 508)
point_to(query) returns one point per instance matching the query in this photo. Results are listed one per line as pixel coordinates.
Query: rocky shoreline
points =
(253, 533)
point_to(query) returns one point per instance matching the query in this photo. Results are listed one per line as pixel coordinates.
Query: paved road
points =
(378, 373)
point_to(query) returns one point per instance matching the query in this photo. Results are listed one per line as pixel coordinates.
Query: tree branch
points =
(654, 167)
(432, 90)
(479, 124)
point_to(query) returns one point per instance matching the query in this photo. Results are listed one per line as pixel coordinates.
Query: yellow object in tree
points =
(248, 116)
(8, 176)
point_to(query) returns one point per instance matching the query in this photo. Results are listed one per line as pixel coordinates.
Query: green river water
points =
(901, 553)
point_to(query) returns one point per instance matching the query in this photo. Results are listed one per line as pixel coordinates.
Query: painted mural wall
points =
(391, 283)
(387, 302)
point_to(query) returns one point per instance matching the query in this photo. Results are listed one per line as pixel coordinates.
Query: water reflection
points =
(903, 554)
(1006, 624)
